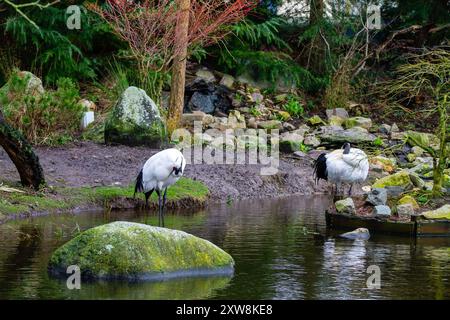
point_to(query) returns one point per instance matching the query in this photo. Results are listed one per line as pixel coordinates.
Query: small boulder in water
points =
(360, 233)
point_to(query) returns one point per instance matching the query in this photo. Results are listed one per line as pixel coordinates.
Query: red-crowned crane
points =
(346, 165)
(160, 171)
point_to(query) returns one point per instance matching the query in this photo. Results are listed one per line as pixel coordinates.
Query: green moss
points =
(125, 249)
(68, 198)
(408, 199)
(400, 179)
(440, 213)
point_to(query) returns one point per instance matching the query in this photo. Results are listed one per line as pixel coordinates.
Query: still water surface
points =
(281, 247)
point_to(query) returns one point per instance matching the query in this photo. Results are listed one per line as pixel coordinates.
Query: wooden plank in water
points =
(340, 221)
(433, 228)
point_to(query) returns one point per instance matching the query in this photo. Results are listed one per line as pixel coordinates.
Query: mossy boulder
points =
(408, 199)
(362, 122)
(440, 213)
(346, 206)
(135, 120)
(399, 179)
(422, 139)
(126, 250)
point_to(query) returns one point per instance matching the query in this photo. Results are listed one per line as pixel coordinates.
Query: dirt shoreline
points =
(90, 164)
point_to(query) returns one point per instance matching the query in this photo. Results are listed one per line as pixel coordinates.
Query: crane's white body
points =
(347, 168)
(159, 171)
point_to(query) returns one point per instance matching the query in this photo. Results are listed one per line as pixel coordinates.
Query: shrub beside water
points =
(51, 117)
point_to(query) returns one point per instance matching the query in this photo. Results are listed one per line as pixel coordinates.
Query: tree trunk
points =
(176, 101)
(440, 164)
(317, 49)
(22, 155)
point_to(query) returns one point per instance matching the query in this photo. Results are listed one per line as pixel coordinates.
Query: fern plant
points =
(55, 51)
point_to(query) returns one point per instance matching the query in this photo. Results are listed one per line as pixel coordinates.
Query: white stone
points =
(87, 119)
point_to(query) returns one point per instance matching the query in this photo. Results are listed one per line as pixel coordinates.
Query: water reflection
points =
(281, 248)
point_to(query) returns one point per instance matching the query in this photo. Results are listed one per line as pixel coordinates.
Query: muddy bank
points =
(90, 164)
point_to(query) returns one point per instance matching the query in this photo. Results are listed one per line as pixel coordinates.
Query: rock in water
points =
(126, 250)
(135, 120)
(360, 233)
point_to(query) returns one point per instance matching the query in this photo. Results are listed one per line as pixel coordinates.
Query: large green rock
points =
(440, 213)
(399, 179)
(127, 250)
(408, 199)
(422, 139)
(135, 120)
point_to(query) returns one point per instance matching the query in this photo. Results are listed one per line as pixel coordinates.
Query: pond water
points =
(281, 247)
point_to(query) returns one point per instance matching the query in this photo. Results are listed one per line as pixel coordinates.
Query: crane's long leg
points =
(350, 190)
(159, 207)
(163, 206)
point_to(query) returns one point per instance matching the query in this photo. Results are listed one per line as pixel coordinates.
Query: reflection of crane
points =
(160, 172)
(347, 165)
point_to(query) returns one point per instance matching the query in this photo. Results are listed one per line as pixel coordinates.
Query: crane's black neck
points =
(347, 148)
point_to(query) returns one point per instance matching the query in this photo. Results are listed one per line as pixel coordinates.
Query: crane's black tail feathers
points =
(139, 184)
(320, 168)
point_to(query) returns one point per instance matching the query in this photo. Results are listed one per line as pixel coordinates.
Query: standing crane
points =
(346, 165)
(160, 171)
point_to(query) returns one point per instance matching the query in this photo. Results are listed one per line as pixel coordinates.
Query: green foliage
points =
(257, 34)
(378, 142)
(274, 67)
(254, 111)
(48, 118)
(53, 49)
(294, 107)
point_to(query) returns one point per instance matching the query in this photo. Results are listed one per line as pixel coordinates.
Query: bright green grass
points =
(67, 198)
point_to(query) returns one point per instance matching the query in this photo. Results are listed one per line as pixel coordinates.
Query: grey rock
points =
(406, 209)
(377, 196)
(336, 135)
(358, 234)
(385, 128)
(394, 128)
(227, 81)
(339, 112)
(311, 140)
(135, 120)
(382, 210)
(206, 75)
(394, 191)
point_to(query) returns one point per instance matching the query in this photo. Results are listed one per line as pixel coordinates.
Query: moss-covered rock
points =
(135, 120)
(440, 213)
(137, 251)
(408, 199)
(399, 179)
(362, 122)
(422, 139)
(315, 120)
(345, 206)
(335, 121)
